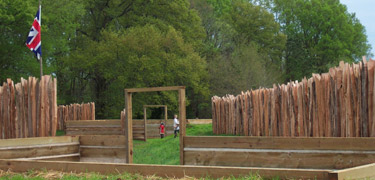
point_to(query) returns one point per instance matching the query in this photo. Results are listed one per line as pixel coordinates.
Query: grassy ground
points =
(167, 150)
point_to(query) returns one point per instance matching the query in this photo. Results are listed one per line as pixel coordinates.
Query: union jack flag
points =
(34, 42)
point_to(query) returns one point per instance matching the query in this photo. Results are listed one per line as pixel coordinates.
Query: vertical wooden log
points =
(214, 118)
(12, 109)
(266, 113)
(42, 94)
(18, 112)
(370, 90)
(300, 106)
(284, 111)
(246, 115)
(47, 101)
(129, 127)
(222, 116)
(30, 108)
(1, 114)
(182, 109)
(333, 102)
(165, 118)
(273, 120)
(261, 111)
(54, 107)
(145, 123)
(25, 89)
(250, 113)
(6, 111)
(37, 106)
(349, 112)
(278, 111)
(292, 117)
(364, 101)
(255, 97)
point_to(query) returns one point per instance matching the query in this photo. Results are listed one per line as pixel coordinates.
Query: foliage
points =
(15, 21)
(320, 34)
(243, 46)
(141, 56)
(97, 48)
(123, 46)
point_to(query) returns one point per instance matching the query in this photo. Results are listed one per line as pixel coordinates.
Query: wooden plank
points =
(128, 127)
(359, 172)
(1, 113)
(94, 132)
(145, 125)
(93, 122)
(38, 150)
(152, 89)
(98, 152)
(64, 157)
(182, 114)
(37, 141)
(280, 143)
(155, 106)
(278, 159)
(166, 171)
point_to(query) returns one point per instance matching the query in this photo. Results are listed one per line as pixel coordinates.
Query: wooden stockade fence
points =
(340, 103)
(28, 108)
(74, 112)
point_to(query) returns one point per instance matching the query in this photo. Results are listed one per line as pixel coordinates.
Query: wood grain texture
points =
(280, 143)
(163, 170)
(359, 172)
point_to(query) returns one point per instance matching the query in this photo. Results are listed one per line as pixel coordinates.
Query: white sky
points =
(364, 11)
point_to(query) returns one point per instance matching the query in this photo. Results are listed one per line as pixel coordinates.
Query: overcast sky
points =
(363, 10)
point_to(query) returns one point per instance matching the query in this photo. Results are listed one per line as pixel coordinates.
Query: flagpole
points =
(40, 60)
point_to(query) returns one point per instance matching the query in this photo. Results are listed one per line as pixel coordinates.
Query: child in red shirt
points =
(162, 129)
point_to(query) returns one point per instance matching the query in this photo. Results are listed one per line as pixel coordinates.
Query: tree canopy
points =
(97, 48)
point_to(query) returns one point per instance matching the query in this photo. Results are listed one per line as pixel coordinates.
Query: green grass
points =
(60, 133)
(167, 150)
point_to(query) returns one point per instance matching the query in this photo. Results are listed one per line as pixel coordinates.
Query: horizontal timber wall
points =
(279, 152)
(28, 108)
(75, 112)
(167, 171)
(64, 148)
(88, 148)
(99, 148)
(340, 103)
(113, 127)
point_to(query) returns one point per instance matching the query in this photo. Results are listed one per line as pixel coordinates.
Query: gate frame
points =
(154, 106)
(129, 117)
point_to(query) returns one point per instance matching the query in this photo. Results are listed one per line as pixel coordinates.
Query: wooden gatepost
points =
(127, 123)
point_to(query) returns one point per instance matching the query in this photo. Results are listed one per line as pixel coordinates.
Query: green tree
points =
(142, 56)
(320, 34)
(15, 21)
(243, 45)
(116, 17)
